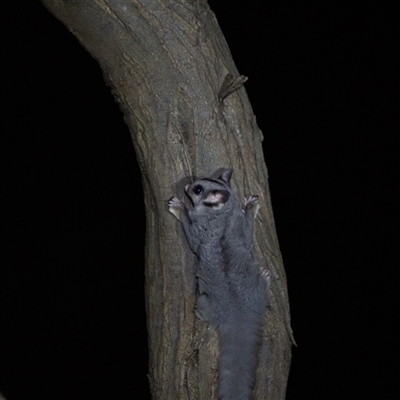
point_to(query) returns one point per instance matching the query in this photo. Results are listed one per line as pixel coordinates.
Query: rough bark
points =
(165, 62)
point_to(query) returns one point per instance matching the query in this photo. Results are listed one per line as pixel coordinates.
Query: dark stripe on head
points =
(219, 182)
(189, 198)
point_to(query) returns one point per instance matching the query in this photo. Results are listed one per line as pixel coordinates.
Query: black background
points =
(322, 84)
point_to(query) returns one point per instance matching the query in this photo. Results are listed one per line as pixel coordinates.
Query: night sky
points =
(324, 89)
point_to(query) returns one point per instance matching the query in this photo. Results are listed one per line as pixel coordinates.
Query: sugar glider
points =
(232, 292)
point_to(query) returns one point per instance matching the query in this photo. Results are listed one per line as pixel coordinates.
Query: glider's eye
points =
(198, 189)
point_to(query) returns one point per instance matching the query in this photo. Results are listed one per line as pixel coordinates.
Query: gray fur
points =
(232, 293)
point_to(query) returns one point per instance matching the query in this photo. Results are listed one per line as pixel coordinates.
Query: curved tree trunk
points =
(166, 62)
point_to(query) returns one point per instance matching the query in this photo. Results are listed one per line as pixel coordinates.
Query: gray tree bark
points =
(166, 61)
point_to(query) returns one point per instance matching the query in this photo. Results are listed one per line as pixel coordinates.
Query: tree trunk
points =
(166, 61)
